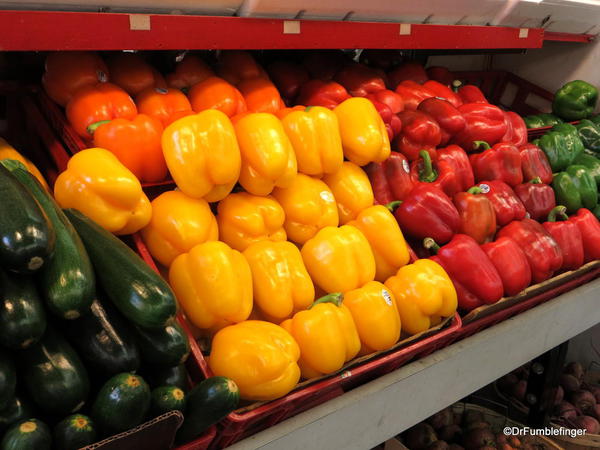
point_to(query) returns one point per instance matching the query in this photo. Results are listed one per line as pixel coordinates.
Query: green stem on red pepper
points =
(94, 126)
(536, 180)
(456, 84)
(427, 174)
(477, 145)
(475, 190)
(558, 213)
(430, 244)
(336, 298)
(391, 206)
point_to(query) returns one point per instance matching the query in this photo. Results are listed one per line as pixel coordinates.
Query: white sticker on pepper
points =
(485, 188)
(405, 166)
(387, 297)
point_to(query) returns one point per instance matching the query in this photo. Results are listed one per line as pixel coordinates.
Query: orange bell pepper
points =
(309, 206)
(67, 72)
(98, 102)
(235, 66)
(216, 93)
(166, 105)
(268, 158)
(7, 151)
(261, 95)
(178, 224)
(136, 143)
(352, 190)
(315, 136)
(133, 74)
(244, 219)
(189, 71)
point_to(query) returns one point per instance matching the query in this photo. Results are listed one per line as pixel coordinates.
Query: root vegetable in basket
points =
(420, 436)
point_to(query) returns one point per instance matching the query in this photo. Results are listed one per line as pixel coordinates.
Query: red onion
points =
(588, 423)
(566, 410)
(575, 369)
(569, 382)
(583, 400)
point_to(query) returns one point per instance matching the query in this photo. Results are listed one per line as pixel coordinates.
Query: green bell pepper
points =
(596, 119)
(541, 120)
(575, 100)
(589, 133)
(561, 146)
(596, 212)
(591, 163)
(575, 188)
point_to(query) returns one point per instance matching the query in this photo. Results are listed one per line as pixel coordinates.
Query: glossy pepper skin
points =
(483, 122)
(589, 226)
(188, 72)
(261, 357)
(542, 251)
(589, 133)
(360, 80)
(410, 70)
(268, 158)
(216, 93)
(166, 105)
(477, 215)
(213, 285)
(280, 281)
(423, 291)
(315, 136)
(457, 158)
(390, 179)
(413, 94)
(440, 175)
(534, 163)
(449, 119)
(260, 95)
(511, 264)
(537, 197)
(339, 259)
(575, 188)
(506, 204)
(137, 144)
(591, 163)
(419, 132)
(99, 186)
(351, 189)
(328, 94)
(443, 91)
(202, 155)
(541, 120)
(7, 151)
(133, 74)
(470, 93)
(289, 77)
(560, 146)
(96, 102)
(441, 74)
(427, 211)
(381, 229)
(178, 224)
(364, 138)
(567, 236)
(500, 162)
(516, 130)
(575, 100)
(309, 206)
(244, 218)
(326, 335)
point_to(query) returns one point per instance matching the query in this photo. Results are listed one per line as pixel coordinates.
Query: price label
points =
(485, 188)
(405, 166)
(387, 297)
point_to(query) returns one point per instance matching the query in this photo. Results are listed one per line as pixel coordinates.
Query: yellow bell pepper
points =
(102, 188)
(423, 292)
(387, 241)
(213, 285)
(326, 335)
(309, 205)
(280, 280)
(364, 137)
(260, 357)
(339, 259)
(375, 313)
(268, 158)
(202, 154)
(315, 136)
(178, 224)
(352, 191)
(244, 219)
(7, 151)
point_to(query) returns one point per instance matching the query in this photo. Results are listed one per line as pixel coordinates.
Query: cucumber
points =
(54, 375)
(28, 434)
(26, 235)
(8, 380)
(104, 340)
(121, 404)
(207, 403)
(165, 399)
(166, 346)
(22, 315)
(74, 432)
(67, 280)
(139, 293)
(157, 376)
(15, 412)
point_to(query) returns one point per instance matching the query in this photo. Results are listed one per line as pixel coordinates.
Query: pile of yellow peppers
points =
(298, 272)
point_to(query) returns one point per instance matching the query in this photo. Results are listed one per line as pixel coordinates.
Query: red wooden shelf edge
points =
(568, 37)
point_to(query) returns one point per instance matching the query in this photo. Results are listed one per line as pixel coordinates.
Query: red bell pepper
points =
(516, 130)
(324, 64)
(442, 91)
(427, 211)
(506, 204)
(387, 116)
(567, 236)
(441, 74)
(322, 93)
(535, 164)
(484, 122)
(447, 116)
(590, 233)
(419, 132)
(390, 179)
(470, 93)
(412, 71)
(467, 263)
(537, 197)
(541, 250)
(440, 175)
(359, 80)
(413, 94)
(458, 159)
(477, 215)
(501, 162)
(289, 77)
(390, 98)
(511, 264)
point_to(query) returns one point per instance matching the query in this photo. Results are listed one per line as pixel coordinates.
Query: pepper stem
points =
(456, 84)
(536, 180)
(336, 298)
(558, 212)
(393, 205)
(481, 145)
(428, 173)
(93, 127)
(308, 108)
(430, 244)
(475, 190)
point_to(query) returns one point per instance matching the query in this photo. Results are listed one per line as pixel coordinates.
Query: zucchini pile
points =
(81, 316)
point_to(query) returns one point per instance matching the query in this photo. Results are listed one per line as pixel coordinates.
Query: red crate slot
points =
(201, 443)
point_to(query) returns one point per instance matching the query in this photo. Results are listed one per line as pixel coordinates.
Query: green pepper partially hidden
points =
(561, 145)
(541, 120)
(575, 188)
(591, 163)
(575, 100)
(589, 132)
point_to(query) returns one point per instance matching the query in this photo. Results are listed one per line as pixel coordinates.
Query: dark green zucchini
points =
(121, 404)
(18, 410)
(67, 280)
(8, 380)
(26, 235)
(74, 432)
(157, 376)
(139, 293)
(28, 434)
(54, 375)
(207, 403)
(166, 346)
(165, 399)
(22, 315)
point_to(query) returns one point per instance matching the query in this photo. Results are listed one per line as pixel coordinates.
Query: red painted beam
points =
(568, 37)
